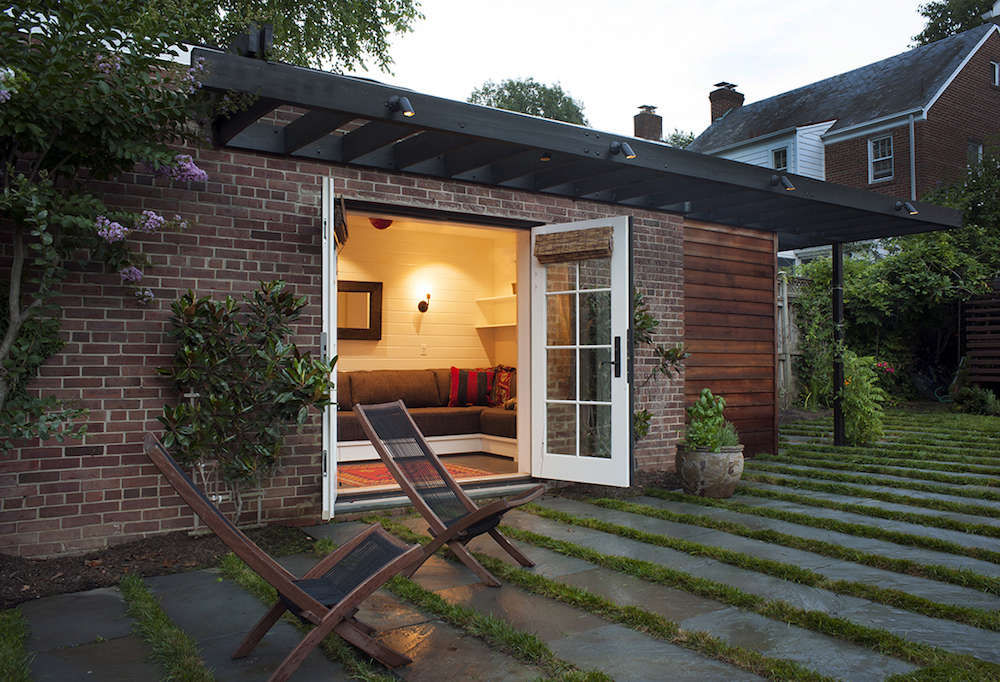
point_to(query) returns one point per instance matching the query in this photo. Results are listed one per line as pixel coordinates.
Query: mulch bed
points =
(26, 579)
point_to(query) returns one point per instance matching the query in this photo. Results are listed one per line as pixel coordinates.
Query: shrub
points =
(246, 383)
(977, 400)
(707, 427)
(862, 400)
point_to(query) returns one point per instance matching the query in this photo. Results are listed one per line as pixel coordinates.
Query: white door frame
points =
(615, 471)
(328, 349)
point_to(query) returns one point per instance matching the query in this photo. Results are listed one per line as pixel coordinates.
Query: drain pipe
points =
(913, 163)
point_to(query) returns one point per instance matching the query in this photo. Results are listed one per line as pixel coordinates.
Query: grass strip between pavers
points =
(858, 491)
(174, 650)
(333, 647)
(914, 458)
(888, 471)
(495, 632)
(756, 465)
(875, 511)
(15, 661)
(638, 619)
(878, 639)
(858, 529)
(980, 618)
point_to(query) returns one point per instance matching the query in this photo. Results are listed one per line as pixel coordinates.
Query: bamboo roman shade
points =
(559, 247)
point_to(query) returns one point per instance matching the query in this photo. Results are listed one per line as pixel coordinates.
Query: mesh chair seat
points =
(373, 553)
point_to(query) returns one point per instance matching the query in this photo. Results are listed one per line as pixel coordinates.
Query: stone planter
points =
(710, 474)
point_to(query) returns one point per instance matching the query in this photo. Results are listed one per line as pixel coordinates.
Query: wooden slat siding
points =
(729, 326)
(982, 337)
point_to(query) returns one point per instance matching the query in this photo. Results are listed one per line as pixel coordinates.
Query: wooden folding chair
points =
(327, 596)
(453, 517)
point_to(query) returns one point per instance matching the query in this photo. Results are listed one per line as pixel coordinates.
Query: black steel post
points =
(838, 343)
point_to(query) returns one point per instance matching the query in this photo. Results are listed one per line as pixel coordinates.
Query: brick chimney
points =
(724, 99)
(648, 123)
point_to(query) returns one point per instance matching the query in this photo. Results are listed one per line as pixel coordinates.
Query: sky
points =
(614, 56)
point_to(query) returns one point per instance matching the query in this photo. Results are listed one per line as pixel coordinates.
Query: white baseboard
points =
(361, 450)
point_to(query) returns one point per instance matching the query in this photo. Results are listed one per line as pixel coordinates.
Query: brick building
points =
(901, 126)
(445, 203)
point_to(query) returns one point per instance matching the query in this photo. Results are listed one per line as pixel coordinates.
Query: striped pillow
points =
(470, 387)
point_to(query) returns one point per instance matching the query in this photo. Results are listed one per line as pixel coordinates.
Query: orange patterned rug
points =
(364, 474)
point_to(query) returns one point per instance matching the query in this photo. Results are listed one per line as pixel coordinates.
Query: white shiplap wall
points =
(456, 265)
(759, 153)
(811, 154)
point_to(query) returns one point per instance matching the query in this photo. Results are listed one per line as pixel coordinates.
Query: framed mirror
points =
(359, 310)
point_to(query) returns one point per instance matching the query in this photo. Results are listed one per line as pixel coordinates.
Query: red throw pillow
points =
(503, 385)
(470, 387)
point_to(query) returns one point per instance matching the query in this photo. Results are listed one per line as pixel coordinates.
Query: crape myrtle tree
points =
(343, 34)
(528, 96)
(948, 17)
(84, 94)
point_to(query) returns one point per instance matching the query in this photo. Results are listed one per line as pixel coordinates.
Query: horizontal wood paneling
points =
(729, 326)
(982, 337)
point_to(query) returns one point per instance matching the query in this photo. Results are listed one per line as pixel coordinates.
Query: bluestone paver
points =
(836, 569)
(85, 636)
(936, 632)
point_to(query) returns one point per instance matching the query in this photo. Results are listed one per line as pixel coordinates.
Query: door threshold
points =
(372, 500)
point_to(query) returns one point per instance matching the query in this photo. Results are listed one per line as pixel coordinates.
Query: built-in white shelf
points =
(497, 299)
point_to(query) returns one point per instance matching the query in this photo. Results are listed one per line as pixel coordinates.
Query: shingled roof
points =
(904, 82)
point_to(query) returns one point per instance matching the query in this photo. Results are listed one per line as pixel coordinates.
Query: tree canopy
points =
(322, 33)
(528, 96)
(680, 138)
(948, 17)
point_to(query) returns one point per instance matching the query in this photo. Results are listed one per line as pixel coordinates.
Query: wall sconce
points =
(424, 304)
(623, 148)
(546, 156)
(783, 181)
(380, 223)
(910, 208)
(400, 104)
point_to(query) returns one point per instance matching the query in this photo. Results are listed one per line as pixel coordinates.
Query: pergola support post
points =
(838, 343)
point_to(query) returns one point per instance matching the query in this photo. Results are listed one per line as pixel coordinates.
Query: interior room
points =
(427, 312)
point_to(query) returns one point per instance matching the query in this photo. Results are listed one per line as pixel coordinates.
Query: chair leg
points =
(364, 627)
(260, 629)
(466, 558)
(510, 548)
(357, 636)
(303, 649)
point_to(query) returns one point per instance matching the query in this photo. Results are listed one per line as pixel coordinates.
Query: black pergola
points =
(360, 122)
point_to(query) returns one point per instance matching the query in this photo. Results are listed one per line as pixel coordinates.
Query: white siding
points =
(759, 153)
(811, 155)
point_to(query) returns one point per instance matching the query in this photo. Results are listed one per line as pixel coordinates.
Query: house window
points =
(880, 159)
(779, 159)
(974, 153)
(995, 67)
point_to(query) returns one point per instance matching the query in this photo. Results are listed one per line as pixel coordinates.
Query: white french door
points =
(328, 349)
(580, 315)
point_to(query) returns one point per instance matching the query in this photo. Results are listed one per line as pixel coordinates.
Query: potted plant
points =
(710, 461)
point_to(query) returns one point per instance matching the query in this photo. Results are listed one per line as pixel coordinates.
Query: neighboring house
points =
(475, 238)
(901, 126)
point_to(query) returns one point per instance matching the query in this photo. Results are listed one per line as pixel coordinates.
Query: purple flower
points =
(186, 171)
(108, 64)
(4, 95)
(131, 274)
(109, 231)
(192, 75)
(144, 296)
(150, 222)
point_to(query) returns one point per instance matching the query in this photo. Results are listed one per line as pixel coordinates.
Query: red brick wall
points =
(257, 218)
(847, 163)
(969, 109)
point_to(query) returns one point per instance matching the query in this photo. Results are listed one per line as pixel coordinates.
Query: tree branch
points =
(15, 316)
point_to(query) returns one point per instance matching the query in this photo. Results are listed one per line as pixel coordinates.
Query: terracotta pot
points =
(710, 474)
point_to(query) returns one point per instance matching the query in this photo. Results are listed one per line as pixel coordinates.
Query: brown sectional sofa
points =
(425, 392)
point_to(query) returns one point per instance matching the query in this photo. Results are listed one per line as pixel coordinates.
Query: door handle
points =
(617, 361)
